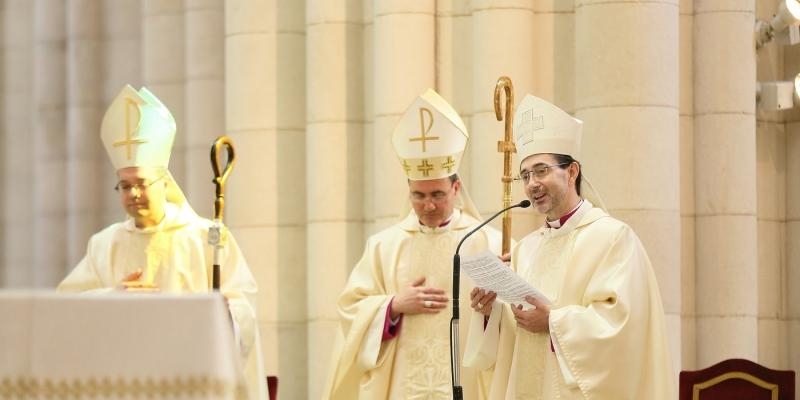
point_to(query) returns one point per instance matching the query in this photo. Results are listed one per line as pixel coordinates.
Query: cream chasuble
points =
(416, 363)
(175, 255)
(606, 322)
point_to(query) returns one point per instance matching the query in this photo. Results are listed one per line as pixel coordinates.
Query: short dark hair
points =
(567, 160)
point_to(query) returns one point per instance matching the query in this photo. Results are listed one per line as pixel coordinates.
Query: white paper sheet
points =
(489, 273)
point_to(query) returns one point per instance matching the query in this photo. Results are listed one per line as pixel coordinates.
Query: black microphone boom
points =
(454, 370)
(521, 204)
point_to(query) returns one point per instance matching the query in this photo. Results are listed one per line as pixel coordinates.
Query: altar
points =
(117, 346)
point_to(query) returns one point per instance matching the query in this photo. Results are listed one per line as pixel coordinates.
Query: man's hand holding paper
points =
(492, 275)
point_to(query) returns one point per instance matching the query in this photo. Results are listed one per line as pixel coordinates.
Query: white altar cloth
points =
(117, 346)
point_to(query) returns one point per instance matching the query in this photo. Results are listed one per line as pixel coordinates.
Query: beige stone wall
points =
(310, 92)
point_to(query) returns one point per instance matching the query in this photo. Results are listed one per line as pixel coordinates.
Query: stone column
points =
(725, 181)
(404, 67)
(688, 354)
(771, 217)
(265, 116)
(777, 178)
(84, 113)
(787, 176)
(793, 244)
(454, 46)
(18, 161)
(368, 91)
(504, 44)
(122, 64)
(335, 150)
(626, 57)
(554, 52)
(50, 179)
(773, 62)
(454, 49)
(205, 98)
(164, 70)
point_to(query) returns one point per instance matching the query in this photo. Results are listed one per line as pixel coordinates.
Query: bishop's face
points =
(433, 200)
(549, 185)
(143, 193)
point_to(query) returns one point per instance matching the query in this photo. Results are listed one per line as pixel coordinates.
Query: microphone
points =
(454, 370)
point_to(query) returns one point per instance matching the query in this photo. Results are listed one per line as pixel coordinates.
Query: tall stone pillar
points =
(554, 52)
(265, 116)
(778, 184)
(788, 148)
(334, 143)
(50, 180)
(368, 92)
(793, 244)
(84, 151)
(122, 42)
(205, 98)
(404, 67)
(688, 354)
(164, 69)
(771, 219)
(626, 57)
(18, 161)
(725, 181)
(504, 44)
(454, 47)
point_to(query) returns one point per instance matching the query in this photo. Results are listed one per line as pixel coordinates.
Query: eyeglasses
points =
(436, 197)
(125, 187)
(539, 171)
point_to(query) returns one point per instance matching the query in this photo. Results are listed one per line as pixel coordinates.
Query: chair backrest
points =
(736, 379)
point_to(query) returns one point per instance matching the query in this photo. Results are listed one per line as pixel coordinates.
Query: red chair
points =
(736, 379)
(272, 387)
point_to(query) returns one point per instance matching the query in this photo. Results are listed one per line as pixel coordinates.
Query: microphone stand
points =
(454, 346)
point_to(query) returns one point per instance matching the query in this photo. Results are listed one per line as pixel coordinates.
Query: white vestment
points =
(175, 256)
(607, 336)
(416, 363)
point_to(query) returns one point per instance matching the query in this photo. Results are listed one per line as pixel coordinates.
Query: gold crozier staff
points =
(506, 146)
(220, 177)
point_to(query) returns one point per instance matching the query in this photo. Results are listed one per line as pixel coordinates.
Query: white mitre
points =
(430, 138)
(138, 131)
(541, 127)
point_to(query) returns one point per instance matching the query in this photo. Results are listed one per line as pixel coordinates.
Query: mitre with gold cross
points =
(430, 138)
(138, 131)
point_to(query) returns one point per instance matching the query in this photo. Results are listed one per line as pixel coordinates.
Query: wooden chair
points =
(736, 379)
(272, 387)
